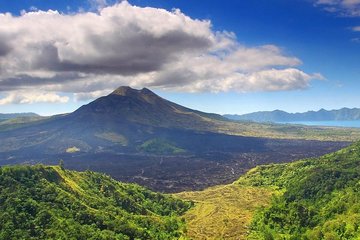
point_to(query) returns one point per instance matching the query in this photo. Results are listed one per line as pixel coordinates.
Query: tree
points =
(61, 164)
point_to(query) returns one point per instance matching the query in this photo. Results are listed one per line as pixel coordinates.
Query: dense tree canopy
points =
(39, 202)
(320, 198)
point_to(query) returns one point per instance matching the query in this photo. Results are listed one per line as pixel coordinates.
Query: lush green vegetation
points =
(113, 137)
(38, 202)
(160, 146)
(311, 199)
(320, 200)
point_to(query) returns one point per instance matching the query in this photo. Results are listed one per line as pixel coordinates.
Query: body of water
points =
(355, 124)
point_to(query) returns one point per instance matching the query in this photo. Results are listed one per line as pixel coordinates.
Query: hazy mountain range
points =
(6, 116)
(343, 114)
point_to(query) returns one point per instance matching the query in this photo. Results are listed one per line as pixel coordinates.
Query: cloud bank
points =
(89, 54)
(32, 97)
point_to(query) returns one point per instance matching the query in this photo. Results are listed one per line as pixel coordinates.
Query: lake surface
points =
(355, 124)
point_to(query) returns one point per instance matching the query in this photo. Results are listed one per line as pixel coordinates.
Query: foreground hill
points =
(343, 114)
(316, 198)
(320, 200)
(51, 203)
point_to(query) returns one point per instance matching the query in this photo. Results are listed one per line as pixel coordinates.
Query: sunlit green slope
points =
(309, 199)
(320, 200)
(224, 212)
(51, 203)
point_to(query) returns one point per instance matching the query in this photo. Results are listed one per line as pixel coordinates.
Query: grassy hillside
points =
(320, 200)
(224, 212)
(51, 203)
(311, 199)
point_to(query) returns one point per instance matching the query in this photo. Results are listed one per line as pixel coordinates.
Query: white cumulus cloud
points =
(33, 97)
(90, 53)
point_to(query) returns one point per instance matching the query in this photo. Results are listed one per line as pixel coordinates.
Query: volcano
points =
(135, 135)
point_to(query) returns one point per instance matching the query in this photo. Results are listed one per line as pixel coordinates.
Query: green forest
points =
(42, 202)
(320, 198)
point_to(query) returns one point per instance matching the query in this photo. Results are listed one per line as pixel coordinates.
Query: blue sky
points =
(313, 38)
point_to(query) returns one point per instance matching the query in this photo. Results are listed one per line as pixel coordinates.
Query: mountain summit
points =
(120, 121)
(128, 91)
(143, 94)
(130, 105)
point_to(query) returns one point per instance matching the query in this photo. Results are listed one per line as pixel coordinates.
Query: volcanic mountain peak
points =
(143, 94)
(144, 107)
(128, 91)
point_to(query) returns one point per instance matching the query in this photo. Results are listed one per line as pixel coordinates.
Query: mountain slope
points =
(51, 203)
(320, 200)
(310, 199)
(144, 107)
(224, 212)
(344, 114)
(119, 122)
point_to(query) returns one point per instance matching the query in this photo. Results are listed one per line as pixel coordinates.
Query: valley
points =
(197, 171)
(313, 198)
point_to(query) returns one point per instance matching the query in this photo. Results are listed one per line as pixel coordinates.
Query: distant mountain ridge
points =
(6, 116)
(343, 114)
